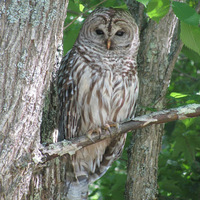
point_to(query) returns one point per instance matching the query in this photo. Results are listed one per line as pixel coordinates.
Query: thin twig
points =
(83, 13)
(186, 75)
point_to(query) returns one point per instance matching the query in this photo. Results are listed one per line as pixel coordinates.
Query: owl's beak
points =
(108, 44)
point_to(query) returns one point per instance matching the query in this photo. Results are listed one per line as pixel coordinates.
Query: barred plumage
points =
(97, 85)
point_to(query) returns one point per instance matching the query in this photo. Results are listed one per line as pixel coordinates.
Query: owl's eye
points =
(99, 32)
(119, 33)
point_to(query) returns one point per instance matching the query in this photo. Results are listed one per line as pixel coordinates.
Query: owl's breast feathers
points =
(96, 91)
(107, 90)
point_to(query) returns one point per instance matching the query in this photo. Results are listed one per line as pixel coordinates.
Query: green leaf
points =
(188, 122)
(144, 2)
(191, 54)
(185, 13)
(81, 7)
(177, 95)
(73, 6)
(190, 35)
(123, 6)
(157, 9)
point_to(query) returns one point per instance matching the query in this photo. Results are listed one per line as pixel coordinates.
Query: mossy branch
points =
(70, 147)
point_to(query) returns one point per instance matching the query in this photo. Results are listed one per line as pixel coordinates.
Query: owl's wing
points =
(68, 126)
(69, 117)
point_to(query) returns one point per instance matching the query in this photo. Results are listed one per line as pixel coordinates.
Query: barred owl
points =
(97, 86)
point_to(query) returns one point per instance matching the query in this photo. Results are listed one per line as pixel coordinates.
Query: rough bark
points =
(158, 52)
(30, 33)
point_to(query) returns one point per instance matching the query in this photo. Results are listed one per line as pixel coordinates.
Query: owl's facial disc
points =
(111, 39)
(112, 35)
(109, 32)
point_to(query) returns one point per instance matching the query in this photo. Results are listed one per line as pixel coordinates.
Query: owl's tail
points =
(73, 187)
(112, 153)
(77, 190)
(88, 165)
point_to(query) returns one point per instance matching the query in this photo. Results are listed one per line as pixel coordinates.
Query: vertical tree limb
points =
(29, 36)
(156, 59)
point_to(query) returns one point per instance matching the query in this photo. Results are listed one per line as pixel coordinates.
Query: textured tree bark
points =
(30, 33)
(158, 52)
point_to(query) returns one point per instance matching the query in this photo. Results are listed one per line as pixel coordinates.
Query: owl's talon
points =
(98, 131)
(114, 124)
(106, 127)
(111, 124)
(91, 131)
(89, 136)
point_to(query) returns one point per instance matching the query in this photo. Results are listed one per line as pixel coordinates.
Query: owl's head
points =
(109, 29)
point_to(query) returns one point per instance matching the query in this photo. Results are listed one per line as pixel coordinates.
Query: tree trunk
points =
(158, 52)
(30, 33)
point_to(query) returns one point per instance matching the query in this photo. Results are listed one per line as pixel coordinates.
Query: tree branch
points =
(185, 74)
(61, 148)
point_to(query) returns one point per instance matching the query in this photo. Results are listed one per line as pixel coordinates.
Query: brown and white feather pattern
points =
(97, 86)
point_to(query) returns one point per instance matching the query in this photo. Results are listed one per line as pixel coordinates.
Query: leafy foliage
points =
(186, 13)
(145, 2)
(179, 161)
(190, 36)
(190, 19)
(156, 10)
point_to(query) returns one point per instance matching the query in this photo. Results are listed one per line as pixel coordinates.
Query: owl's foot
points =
(114, 124)
(107, 127)
(91, 131)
